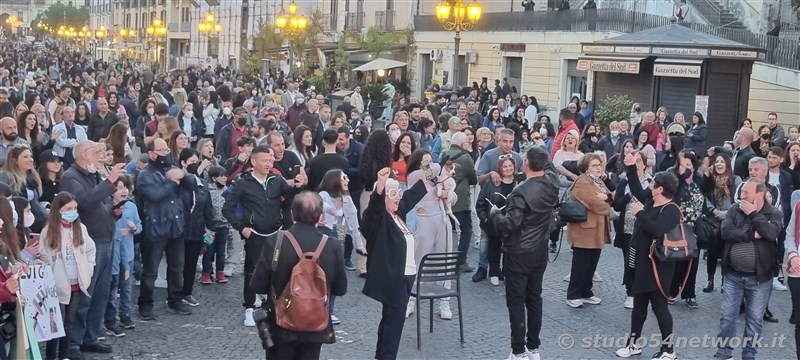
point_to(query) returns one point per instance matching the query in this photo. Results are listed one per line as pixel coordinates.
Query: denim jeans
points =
(91, 310)
(736, 287)
(110, 318)
(465, 235)
(152, 251)
(125, 293)
(216, 252)
(57, 348)
(483, 251)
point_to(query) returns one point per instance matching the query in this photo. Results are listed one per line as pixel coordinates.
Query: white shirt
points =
(70, 261)
(411, 264)
(774, 179)
(187, 126)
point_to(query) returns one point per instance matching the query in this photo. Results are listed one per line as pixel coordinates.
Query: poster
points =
(701, 105)
(38, 288)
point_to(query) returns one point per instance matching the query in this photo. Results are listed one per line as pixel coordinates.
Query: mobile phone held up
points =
(293, 172)
(426, 168)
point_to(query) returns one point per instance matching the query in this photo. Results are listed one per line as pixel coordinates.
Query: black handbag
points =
(571, 211)
(678, 244)
(706, 229)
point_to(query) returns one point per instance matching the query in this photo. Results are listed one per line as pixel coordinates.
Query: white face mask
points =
(226, 111)
(394, 135)
(614, 133)
(187, 114)
(28, 219)
(254, 93)
(151, 111)
(543, 131)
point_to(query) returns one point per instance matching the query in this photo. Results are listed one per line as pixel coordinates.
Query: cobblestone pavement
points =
(215, 329)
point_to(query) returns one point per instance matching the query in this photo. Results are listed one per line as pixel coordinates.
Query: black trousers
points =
(191, 251)
(297, 350)
(252, 252)
(584, 263)
(524, 299)
(59, 348)
(794, 289)
(714, 255)
(677, 279)
(639, 315)
(495, 250)
(393, 317)
(152, 251)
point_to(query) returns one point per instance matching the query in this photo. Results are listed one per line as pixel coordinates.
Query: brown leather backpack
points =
(303, 303)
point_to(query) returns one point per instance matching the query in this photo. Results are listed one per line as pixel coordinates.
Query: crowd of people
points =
(146, 174)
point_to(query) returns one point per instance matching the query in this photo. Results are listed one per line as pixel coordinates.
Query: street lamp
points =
(292, 25)
(126, 35)
(155, 32)
(455, 16)
(209, 27)
(99, 35)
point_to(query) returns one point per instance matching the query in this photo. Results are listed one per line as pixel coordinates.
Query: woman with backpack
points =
(656, 217)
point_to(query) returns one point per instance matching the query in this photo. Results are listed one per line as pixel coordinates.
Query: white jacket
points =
(84, 256)
(348, 212)
(62, 142)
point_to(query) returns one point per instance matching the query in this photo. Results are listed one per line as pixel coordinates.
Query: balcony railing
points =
(354, 21)
(182, 26)
(384, 20)
(780, 51)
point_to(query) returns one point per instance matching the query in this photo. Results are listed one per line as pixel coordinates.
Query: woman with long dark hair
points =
(377, 155)
(763, 143)
(303, 144)
(719, 189)
(118, 140)
(642, 141)
(696, 135)
(403, 147)
(28, 129)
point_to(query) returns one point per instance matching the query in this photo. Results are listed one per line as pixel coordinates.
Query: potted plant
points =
(377, 95)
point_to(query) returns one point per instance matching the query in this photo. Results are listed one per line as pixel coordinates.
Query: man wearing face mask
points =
(294, 112)
(159, 185)
(10, 138)
(610, 143)
(225, 144)
(95, 210)
(225, 118)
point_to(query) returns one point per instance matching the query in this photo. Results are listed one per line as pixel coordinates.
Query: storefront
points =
(678, 68)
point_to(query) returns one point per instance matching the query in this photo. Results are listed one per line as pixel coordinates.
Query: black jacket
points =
(99, 126)
(199, 211)
(261, 207)
(607, 146)
(331, 260)
(738, 227)
(166, 215)
(94, 201)
(527, 220)
(488, 196)
(386, 246)
(742, 162)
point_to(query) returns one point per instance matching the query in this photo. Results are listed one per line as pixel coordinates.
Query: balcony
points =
(354, 21)
(781, 52)
(384, 20)
(182, 26)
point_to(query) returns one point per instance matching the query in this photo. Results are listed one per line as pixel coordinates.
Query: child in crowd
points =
(215, 253)
(70, 253)
(127, 226)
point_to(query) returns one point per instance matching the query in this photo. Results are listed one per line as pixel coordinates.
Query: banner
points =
(701, 105)
(38, 288)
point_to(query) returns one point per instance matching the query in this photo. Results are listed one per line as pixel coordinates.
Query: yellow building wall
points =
(766, 97)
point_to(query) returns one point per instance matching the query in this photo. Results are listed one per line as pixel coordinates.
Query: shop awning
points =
(617, 64)
(380, 63)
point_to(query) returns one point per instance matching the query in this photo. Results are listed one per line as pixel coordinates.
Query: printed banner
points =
(38, 287)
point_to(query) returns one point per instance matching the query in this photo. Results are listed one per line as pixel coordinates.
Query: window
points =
(334, 13)
(213, 47)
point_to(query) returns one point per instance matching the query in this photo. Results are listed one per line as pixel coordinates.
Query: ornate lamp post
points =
(292, 25)
(126, 35)
(209, 27)
(155, 32)
(99, 35)
(84, 34)
(455, 16)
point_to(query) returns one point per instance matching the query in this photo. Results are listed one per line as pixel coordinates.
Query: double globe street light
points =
(454, 15)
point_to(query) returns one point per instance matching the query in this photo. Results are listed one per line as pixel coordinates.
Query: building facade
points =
(16, 15)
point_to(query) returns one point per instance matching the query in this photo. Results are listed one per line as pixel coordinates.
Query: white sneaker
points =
(494, 280)
(444, 310)
(596, 277)
(522, 356)
(629, 351)
(411, 307)
(161, 283)
(576, 303)
(532, 354)
(477, 244)
(248, 318)
(665, 356)
(335, 320)
(629, 302)
(566, 278)
(228, 272)
(776, 285)
(594, 300)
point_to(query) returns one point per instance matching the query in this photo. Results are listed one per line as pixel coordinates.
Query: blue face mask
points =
(69, 216)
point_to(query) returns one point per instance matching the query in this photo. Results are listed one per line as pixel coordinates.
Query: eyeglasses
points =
(162, 151)
(345, 177)
(394, 194)
(503, 157)
(456, 121)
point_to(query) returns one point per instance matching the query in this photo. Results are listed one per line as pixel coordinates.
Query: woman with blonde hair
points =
(20, 174)
(21, 108)
(167, 127)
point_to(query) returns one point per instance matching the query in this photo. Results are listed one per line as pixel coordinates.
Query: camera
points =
(261, 317)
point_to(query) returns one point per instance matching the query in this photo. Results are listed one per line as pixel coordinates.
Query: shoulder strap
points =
(277, 252)
(295, 245)
(320, 247)
(658, 279)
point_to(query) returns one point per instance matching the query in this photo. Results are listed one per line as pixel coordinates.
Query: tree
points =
(307, 38)
(250, 66)
(613, 108)
(58, 14)
(268, 39)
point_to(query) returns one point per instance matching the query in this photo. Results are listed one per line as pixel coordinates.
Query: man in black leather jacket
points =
(526, 222)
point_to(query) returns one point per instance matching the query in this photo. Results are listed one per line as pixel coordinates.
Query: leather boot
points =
(709, 286)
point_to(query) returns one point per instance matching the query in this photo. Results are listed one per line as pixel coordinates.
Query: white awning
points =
(380, 63)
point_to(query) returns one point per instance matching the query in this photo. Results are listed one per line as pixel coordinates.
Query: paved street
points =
(215, 330)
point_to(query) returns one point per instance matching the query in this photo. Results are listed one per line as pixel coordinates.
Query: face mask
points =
(69, 216)
(162, 159)
(591, 134)
(765, 136)
(226, 111)
(254, 93)
(686, 174)
(614, 133)
(187, 114)
(299, 101)
(192, 169)
(28, 220)
(151, 111)
(270, 103)
(543, 131)
(241, 121)
(394, 135)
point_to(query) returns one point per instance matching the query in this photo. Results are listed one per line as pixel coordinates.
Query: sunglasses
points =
(394, 194)
(345, 177)
(503, 157)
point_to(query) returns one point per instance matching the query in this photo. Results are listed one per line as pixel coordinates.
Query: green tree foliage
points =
(613, 108)
(58, 14)
(268, 40)
(795, 5)
(250, 66)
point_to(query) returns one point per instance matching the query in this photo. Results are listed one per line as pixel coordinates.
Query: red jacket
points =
(5, 295)
(560, 137)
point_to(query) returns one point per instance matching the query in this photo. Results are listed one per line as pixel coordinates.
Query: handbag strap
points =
(676, 205)
(658, 280)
